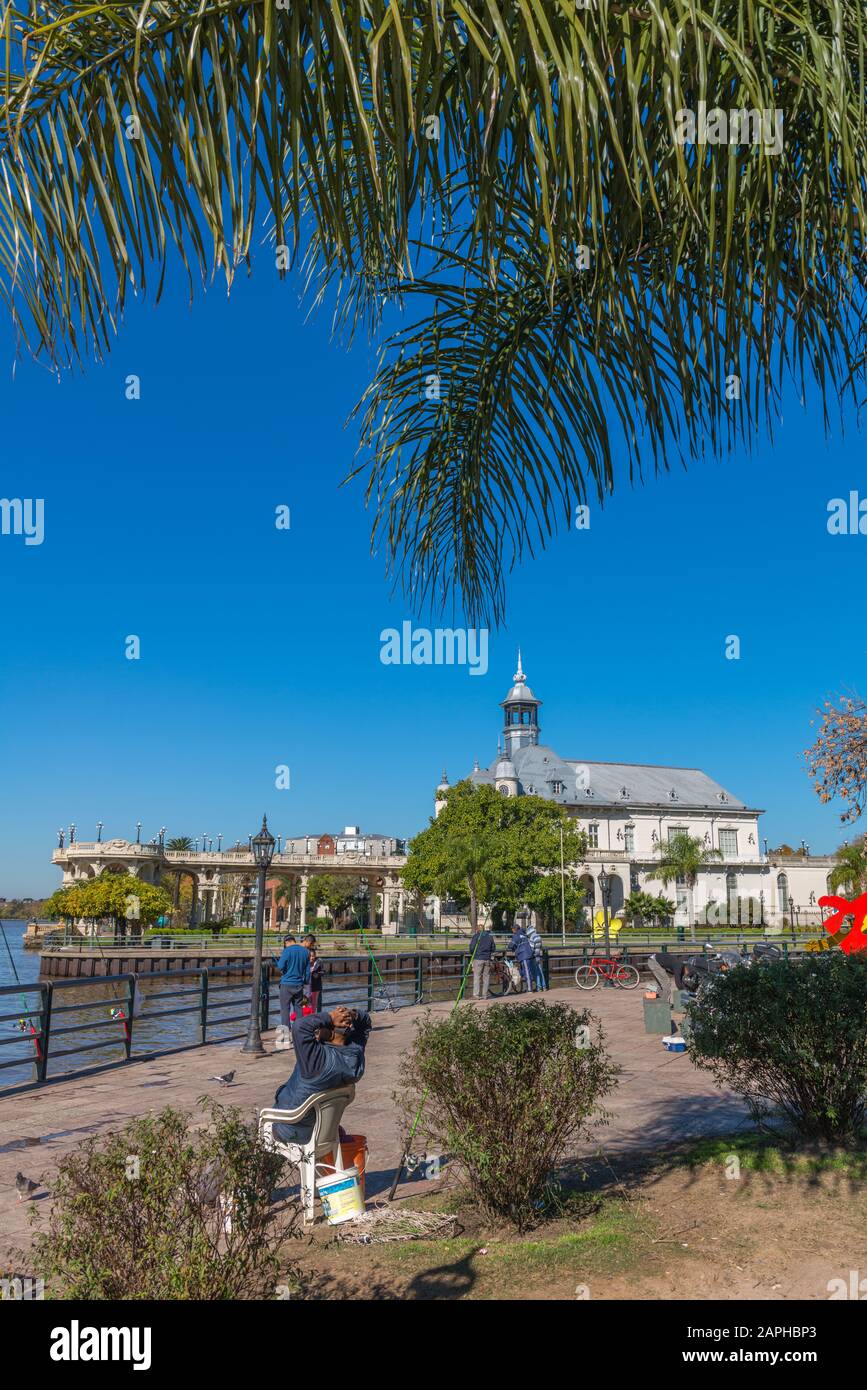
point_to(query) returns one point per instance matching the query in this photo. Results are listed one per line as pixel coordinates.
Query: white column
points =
(302, 906)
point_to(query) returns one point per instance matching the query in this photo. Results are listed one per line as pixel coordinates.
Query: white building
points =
(629, 811)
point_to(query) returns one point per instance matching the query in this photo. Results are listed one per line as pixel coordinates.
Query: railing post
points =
(47, 992)
(546, 970)
(130, 1010)
(419, 977)
(203, 1015)
(370, 984)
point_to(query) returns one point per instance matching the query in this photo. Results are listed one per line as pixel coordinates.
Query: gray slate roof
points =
(613, 784)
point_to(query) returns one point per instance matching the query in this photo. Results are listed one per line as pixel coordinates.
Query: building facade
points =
(629, 812)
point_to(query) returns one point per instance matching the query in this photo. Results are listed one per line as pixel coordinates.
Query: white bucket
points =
(340, 1194)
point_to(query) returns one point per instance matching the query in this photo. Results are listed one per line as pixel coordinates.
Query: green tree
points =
(683, 857)
(642, 909)
(180, 843)
(544, 897)
(118, 898)
(590, 262)
(850, 869)
(334, 890)
(488, 848)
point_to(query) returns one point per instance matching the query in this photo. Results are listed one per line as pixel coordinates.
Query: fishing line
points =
(424, 1094)
(373, 958)
(23, 1023)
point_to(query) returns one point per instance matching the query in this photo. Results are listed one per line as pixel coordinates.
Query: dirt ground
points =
(683, 1232)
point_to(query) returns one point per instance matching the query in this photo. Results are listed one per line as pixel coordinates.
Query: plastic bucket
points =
(340, 1194)
(353, 1147)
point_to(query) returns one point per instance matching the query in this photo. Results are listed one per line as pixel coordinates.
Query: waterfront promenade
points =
(661, 1100)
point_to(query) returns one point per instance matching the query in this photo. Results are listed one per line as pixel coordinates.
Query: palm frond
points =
(133, 132)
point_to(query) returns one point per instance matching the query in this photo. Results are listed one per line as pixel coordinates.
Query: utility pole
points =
(562, 889)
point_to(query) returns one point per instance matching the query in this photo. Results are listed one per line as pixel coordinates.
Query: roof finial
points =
(519, 674)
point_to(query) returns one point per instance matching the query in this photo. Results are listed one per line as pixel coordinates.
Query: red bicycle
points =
(599, 968)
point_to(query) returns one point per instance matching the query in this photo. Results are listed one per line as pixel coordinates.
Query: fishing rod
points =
(373, 958)
(415, 1124)
(23, 1023)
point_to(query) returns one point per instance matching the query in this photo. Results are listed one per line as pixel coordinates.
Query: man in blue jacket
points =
(523, 953)
(294, 967)
(330, 1052)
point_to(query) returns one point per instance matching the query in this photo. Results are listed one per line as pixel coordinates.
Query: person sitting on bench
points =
(329, 1048)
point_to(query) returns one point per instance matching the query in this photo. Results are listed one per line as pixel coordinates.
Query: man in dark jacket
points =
(294, 967)
(329, 1048)
(481, 951)
(523, 953)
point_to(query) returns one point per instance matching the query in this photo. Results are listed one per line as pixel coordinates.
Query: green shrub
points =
(790, 1037)
(507, 1090)
(142, 1213)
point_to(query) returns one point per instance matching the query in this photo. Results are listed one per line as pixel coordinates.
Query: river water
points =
(81, 1014)
(81, 1011)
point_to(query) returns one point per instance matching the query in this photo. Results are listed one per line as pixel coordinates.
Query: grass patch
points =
(759, 1153)
(609, 1242)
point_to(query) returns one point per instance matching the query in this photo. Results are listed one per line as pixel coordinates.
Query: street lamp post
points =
(99, 832)
(138, 832)
(604, 885)
(792, 915)
(762, 905)
(262, 846)
(562, 889)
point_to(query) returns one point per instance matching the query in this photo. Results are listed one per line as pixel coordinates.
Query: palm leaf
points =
(305, 126)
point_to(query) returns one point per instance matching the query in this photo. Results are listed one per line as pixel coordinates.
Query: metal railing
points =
(49, 1019)
(205, 1009)
(241, 940)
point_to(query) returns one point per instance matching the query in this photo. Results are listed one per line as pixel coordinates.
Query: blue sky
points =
(261, 647)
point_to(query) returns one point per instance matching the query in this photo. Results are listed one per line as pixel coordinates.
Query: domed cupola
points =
(521, 717)
(506, 777)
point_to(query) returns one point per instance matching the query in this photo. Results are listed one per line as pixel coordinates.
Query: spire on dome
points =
(519, 674)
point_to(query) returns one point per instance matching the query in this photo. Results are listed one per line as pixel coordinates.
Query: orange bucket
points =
(354, 1150)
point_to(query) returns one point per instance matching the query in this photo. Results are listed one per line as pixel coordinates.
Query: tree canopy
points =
(487, 848)
(837, 759)
(119, 897)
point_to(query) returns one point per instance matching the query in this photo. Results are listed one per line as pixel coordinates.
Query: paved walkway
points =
(661, 1099)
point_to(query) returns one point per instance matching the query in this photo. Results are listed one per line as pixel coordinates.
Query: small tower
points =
(441, 793)
(520, 718)
(506, 778)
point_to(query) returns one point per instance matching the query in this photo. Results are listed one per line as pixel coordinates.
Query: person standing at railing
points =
(294, 967)
(523, 953)
(537, 965)
(314, 989)
(481, 949)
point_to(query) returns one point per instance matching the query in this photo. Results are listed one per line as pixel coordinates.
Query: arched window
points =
(782, 893)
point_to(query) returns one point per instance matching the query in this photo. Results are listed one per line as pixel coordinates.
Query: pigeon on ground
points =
(226, 1079)
(25, 1187)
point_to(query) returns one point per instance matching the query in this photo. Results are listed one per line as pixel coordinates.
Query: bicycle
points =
(600, 968)
(502, 981)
